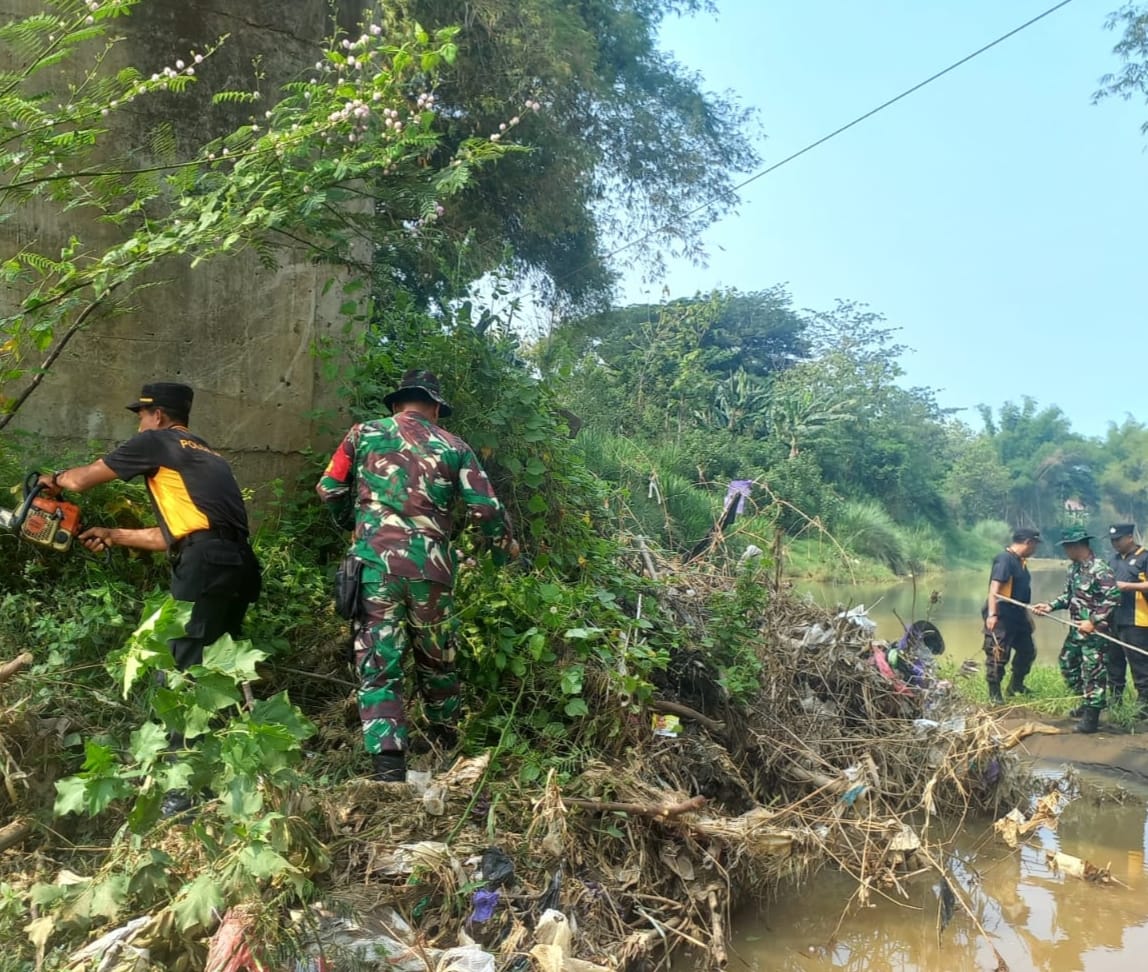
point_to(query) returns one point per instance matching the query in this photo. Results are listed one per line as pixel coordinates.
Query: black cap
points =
(1025, 534)
(418, 384)
(168, 395)
(1121, 530)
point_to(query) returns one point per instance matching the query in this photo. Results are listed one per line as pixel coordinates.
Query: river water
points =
(1038, 921)
(957, 612)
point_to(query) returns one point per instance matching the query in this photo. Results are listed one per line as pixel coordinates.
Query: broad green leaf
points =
(279, 710)
(576, 707)
(108, 896)
(235, 658)
(214, 691)
(174, 776)
(260, 861)
(100, 792)
(147, 742)
(69, 796)
(243, 797)
(196, 903)
(147, 648)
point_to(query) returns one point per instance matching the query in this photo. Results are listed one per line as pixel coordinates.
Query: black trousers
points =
(1005, 642)
(1118, 660)
(221, 578)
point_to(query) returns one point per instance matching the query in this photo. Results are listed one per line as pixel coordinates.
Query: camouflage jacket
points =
(406, 473)
(1090, 594)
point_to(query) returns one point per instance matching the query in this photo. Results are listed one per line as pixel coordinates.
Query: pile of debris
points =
(700, 807)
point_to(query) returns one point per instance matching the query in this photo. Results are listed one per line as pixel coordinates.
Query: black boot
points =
(390, 767)
(1089, 720)
(444, 736)
(1017, 687)
(995, 697)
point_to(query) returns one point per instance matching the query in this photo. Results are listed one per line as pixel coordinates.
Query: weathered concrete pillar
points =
(240, 334)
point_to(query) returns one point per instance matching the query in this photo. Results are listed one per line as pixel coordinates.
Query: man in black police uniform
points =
(1008, 629)
(1130, 619)
(202, 519)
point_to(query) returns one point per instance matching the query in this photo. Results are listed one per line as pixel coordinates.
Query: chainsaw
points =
(42, 520)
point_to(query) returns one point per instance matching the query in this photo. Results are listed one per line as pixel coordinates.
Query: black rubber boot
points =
(1089, 721)
(390, 767)
(1016, 686)
(445, 737)
(995, 697)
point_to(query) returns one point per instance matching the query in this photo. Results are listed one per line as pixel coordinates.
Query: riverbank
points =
(657, 830)
(1114, 752)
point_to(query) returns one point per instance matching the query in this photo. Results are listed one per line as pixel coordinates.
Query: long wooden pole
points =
(1072, 624)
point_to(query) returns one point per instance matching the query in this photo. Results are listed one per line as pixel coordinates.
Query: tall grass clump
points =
(866, 529)
(655, 499)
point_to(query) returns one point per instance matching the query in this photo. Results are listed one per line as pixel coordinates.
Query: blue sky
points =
(996, 216)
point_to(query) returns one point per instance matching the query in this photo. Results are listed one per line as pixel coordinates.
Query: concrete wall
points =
(240, 334)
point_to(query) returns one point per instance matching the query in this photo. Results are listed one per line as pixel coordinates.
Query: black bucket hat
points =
(168, 395)
(416, 384)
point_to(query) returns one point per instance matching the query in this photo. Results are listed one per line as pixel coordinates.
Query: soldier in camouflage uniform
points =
(395, 480)
(1090, 596)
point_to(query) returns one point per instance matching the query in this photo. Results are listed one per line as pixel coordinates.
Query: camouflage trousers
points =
(397, 612)
(1082, 663)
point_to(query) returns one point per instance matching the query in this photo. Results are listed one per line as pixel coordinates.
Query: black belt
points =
(215, 533)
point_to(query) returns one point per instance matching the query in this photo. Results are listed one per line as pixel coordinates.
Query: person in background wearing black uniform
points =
(202, 522)
(1008, 628)
(1130, 619)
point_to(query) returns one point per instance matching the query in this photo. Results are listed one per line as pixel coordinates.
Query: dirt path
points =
(1116, 753)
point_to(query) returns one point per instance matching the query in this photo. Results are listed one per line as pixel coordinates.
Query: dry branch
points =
(676, 708)
(17, 664)
(638, 809)
(13, 833)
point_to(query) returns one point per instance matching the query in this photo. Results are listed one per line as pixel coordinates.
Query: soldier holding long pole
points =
(1091, 595)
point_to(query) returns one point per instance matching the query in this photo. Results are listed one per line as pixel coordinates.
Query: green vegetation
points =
(1049, 695)
(863, 477)
(852, 474)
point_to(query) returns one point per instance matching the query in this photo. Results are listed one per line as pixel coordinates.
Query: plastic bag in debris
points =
(484, 901)
(817, 635)
(751, 552)
(374, 952)
(554, 929)
(465, 958)
(434, 799)
(424, 853)
(859, 619)
(343, 943)
(497, 868)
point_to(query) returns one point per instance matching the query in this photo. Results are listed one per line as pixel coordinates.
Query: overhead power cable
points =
(825, 138)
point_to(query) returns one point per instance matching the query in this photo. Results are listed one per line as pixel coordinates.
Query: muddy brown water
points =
(957, 613)
(1038, 920)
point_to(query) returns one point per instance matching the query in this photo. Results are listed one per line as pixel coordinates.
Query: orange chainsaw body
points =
(51, 523)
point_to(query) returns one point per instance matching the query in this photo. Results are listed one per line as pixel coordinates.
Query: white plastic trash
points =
(465, 958)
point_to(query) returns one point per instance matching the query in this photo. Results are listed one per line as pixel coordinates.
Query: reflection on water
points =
(957, 613)
(1037, 920)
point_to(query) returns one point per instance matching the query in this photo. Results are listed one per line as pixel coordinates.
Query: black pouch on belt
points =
(347, 581)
